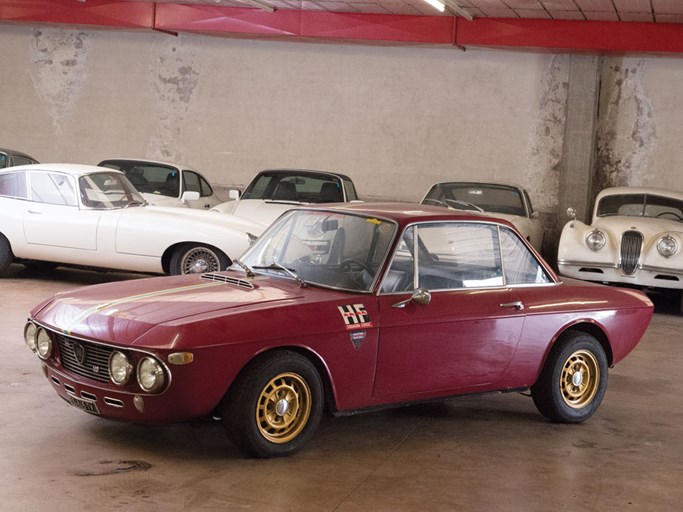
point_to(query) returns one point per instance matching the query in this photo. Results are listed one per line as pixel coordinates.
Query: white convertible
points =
(90, 216)
(635, 238)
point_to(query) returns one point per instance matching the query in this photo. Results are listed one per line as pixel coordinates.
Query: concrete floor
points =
(491, 453)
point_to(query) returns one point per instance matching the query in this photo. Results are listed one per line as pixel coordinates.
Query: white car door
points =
(52, 217)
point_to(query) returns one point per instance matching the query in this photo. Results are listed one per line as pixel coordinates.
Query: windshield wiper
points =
(245, 267)
(135, 202)
(290, 272)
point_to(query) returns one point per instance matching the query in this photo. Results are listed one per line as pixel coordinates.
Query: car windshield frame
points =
(640, 204)
(108, 191)
(327, 248)
(471, 193)
(266, 187)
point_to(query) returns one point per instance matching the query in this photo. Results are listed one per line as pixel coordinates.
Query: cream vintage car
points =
(635, 238)
(505, 200)
(90, 216)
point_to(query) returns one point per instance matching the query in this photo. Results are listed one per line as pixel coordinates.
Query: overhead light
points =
(260, 4)
(436, 4)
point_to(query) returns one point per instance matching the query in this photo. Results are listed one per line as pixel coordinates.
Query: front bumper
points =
(644, 276)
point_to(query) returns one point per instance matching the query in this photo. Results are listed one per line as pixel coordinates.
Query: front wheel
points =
(573, 381)
(6, 256)
(197, 259)
(275, 405)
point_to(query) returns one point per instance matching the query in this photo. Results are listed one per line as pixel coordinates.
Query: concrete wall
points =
(395, 119)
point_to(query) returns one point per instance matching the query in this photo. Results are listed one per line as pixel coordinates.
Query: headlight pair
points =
(150, 372)
(38, 340)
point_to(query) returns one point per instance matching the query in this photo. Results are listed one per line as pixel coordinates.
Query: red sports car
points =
(347, 307)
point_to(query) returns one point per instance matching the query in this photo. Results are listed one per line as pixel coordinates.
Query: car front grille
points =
(631, 245)
(83, 358)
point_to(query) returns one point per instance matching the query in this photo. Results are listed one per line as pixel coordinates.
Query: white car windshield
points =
(108, 190)
(488, 197)
(326, 248)
(641, 205)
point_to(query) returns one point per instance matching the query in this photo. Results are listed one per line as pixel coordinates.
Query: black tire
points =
(275, 406)
(573, 381)
(197, 259)
(6, 256)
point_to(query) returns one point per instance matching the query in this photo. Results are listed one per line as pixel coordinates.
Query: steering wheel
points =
(673, 214)
(348, 264)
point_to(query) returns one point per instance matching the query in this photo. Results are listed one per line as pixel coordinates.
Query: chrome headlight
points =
(30, 331)
(43, 344)
(150, 375)
(119, 368)
(667, 246)
(595, 240)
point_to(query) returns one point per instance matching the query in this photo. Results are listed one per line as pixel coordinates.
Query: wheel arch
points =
(168, 253)
(591, 329)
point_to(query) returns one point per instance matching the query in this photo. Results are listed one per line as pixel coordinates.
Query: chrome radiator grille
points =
(631, 245)
(83, 358)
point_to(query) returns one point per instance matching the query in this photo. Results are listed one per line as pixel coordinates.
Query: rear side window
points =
(53, 188)
(13, 184)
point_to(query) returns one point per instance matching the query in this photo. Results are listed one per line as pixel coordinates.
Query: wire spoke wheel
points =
(199, 260)
(580, 378)
(283, 408)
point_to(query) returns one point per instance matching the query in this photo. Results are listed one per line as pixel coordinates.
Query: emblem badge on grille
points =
(79, 352)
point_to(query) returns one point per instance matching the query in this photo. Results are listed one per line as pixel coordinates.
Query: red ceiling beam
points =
(576, 36)
(99, 13)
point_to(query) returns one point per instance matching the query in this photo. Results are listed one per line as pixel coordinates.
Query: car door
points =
(52, 217)
(464, 337)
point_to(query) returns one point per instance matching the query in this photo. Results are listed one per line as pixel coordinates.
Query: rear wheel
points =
(6, 256)
(275, 406)
(197, 259)
(573, 381)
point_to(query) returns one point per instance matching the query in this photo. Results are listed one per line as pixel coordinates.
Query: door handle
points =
(518, 305)
(33, 212)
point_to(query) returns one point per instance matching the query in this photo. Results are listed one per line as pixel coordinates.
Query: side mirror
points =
(233, 194)
(571, 213)
(535, 215)
(189, 196)
(421, 296)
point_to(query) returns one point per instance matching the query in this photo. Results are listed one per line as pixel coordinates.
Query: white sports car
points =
(89, 216)
(504, 200)
(635, 238)
(274, 191)
(166, 184)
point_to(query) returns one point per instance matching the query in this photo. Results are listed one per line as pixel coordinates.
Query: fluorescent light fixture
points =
(456, 9)
(259, 4)
(436, 4)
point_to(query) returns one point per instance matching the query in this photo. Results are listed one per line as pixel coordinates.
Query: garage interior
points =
(563, 97)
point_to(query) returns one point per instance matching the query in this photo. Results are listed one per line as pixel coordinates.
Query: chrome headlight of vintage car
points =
(120, 368)
(595, 240)
(30, 331)
(667, 246)
(43, 343)
(150, 374)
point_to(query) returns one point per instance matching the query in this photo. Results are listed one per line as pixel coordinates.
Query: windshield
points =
(337, 250)
(295, 187)
(108, 190)
(641, 205)
(489, 197)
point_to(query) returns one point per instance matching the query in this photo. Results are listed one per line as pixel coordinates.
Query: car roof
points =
(73, 169)
(615, 191)
(478, 182)
(14, 152)
(407, 213)
(303, 171)
(148, 161)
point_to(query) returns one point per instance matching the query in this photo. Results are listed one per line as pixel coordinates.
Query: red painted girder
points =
(101, 13)
(305, 24)
(568, 35)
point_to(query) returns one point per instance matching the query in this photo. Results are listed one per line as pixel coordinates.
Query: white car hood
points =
(262, 211)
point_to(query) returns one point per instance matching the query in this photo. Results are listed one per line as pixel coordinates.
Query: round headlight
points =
(43, 344)
(30, 335)
(119, 368)
(667, 246)
(595, 240)
(150, 375)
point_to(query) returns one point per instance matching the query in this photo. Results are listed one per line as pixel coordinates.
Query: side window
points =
(53, 188)
(206, 188)
(400, 276)
(458, 255)
(521, 266)
(13, 184)
(350, 189)
(21, 160)
(191, 180)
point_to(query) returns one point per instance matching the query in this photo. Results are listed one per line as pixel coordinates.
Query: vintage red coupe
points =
(346, 307)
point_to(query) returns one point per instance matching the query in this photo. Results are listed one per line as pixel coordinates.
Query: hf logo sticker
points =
(355, 316)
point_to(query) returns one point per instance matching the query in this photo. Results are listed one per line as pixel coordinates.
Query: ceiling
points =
(658, 11)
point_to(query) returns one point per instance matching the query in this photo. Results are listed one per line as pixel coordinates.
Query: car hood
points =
(649, 226)
(190, 215)
(121, 312)
(263, 211)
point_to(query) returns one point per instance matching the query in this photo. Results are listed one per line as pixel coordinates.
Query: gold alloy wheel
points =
(283, 408)
(580, 379)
